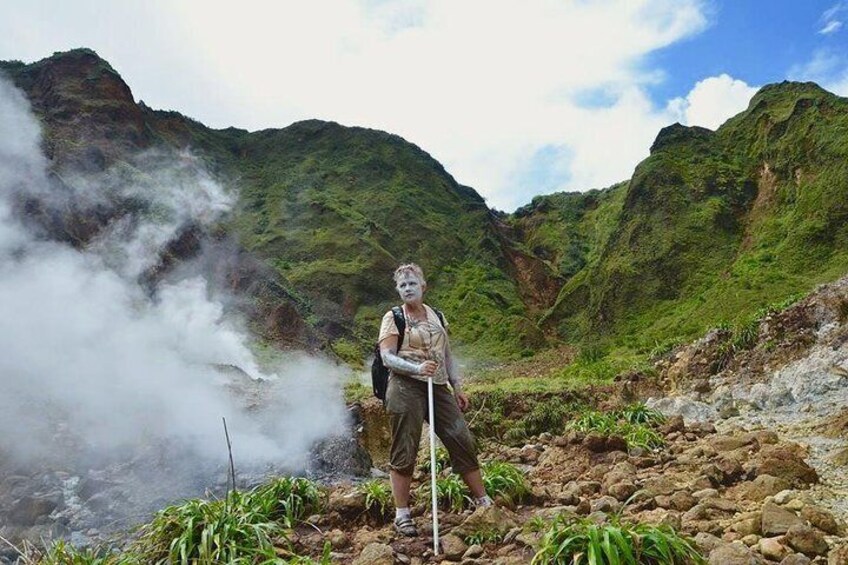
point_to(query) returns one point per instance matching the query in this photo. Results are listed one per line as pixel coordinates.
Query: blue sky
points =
(758, 41)
(514, 98)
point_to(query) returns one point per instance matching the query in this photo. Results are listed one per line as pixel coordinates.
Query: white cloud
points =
(712, 101)
(828, 69)
(831, 20)
(831, 27)
(480, 85)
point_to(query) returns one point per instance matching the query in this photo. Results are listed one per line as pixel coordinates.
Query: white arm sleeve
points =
(399, 364)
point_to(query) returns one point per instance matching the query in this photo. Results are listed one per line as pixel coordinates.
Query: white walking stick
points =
(433, 465)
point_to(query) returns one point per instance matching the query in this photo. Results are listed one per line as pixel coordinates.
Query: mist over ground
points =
(95, 367)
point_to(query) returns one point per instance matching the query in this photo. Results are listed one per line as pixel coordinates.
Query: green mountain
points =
(715, 225)
(711, 227)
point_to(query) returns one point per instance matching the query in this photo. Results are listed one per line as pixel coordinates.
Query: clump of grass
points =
(451, 492)
(482, 537)
(639, 413)
(378, 497)
(442, 460)
(505, 480)
(583, 542)
(287, 499)
(536, 524)
(207, 532)
(241, 528)
(664, 347)
(636, 434)
(63, 553)
(544, 416)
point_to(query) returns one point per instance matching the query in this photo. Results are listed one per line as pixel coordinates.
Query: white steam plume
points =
(85, 349)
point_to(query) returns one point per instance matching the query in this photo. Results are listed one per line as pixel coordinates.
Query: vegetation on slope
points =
(716, 225)
(711, 227)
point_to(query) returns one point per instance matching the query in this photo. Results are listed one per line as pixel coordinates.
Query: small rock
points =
(750, 540)
(453, 547)
(346, 503)
(786, 464)
(796, 504)
(838, 556)
(367, 536)
(375, 554)
(473, 552)
(682, 500)
(761, 487)
(706, 542)
(733, 554)
(660, 485)
(673, 424)
(807, 540)
(605, 504)
(777, 520)
(338, 539)
(821, 519)
(28, 509)
(705, 493)
(622, 491)
(784, 496)
(747, 526)
(772, 549)
(489, 519)
(796, 559)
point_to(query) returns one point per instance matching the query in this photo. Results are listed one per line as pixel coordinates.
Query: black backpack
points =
(379, 372)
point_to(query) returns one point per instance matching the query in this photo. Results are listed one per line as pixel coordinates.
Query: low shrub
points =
(451, 492)
(442, 460)
(505, 480)
(63, 553)
(583, 542)
(378, 497)
(618, 424)
(639, 413)
(241, 528)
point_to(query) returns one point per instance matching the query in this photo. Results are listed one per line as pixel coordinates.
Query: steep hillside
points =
(711, 227)
(718, 224)
(329, 210)
(335, 209)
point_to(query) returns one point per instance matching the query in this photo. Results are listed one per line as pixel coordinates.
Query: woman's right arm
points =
(400, 365)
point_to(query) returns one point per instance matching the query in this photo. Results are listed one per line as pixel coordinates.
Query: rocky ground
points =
(745, 497)
(753, 467)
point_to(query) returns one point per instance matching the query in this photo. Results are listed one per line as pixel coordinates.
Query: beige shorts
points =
(406, 403)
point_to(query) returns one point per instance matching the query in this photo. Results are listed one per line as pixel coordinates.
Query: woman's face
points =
(410, 289)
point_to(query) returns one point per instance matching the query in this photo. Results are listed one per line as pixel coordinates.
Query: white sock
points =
(402, 513)
(483, 501)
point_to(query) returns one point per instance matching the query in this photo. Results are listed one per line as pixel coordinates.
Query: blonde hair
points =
(409, 269)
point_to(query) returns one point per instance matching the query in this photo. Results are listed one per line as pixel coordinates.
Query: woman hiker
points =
(425, 352)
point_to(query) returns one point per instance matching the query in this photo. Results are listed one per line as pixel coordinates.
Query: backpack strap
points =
(441, 316)
(400, 323)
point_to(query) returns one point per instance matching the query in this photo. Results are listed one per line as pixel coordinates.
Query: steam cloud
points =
(87, 354)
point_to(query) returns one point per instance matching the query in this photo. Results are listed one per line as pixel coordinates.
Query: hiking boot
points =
(406, 527)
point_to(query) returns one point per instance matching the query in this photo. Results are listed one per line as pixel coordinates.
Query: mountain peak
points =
(678, 133)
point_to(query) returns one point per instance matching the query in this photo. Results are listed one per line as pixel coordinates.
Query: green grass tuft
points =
(580, 541)
(505, 480)
(636, 434)
(378, 497)
(241, 529)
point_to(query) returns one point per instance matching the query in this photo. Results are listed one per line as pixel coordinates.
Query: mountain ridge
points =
(331, 209)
